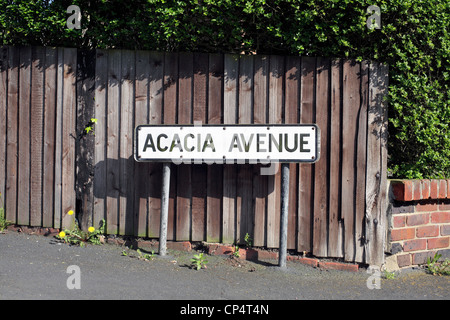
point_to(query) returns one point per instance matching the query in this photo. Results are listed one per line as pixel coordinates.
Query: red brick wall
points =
(419, 222)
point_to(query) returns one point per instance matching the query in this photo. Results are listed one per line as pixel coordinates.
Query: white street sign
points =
(227, 143)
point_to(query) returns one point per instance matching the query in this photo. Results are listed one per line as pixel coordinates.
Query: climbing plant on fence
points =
(413, 40)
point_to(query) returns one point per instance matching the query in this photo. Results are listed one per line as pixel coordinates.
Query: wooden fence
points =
(48, 166)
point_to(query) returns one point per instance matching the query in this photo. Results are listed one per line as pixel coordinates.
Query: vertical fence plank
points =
(57, 215)
(155, 117)
(275, 92)
(3, 115)
(260, 183)
(199, 171)
(361, 151)
(23, 196)
(379, 236)
(376, 183)
(334, 239)
(214, 183)
(291, 116)
(112, 151)
(306, 182)
(231, 72)
(126, 159)
(141, 170)
(85, 144)
(36, 131)
(351, 102)
(49, 136)
(184, 183)
(244, 194)
(12, 129)
(170, 117)
(101, 91)
(68, 136)
(320, 226)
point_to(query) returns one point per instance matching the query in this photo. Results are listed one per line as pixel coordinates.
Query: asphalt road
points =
(36, 267)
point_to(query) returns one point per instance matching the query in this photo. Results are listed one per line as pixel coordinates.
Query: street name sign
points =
(227, 143)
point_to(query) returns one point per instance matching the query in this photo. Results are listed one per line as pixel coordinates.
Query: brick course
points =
(420, 220)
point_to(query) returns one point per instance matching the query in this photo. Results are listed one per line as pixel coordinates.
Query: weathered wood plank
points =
(23, 196)
(320, 231)
(170, 117)
(291, 116)
(244, 194)
(112, 149)
(101, 85)
(214, 172)
(199, 171)
(231, 72)
(10, 198)
(141, 170)
(379, 236)
(155, 117)
(260, 183)
(68, 137)
(184, 183)
(36, 131)
(3, 123)
(126, 159)
(361, 150)
(351, 102)
(85, 140)
(334, 239)
(275, 92)
(306, 182)
(376, 181)
(50, 86)
(57, 216)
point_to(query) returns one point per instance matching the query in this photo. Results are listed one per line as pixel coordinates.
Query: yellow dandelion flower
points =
(62, 234)
(91, 229)
(70, 212)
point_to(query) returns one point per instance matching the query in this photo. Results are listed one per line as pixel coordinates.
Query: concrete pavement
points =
(36, 267)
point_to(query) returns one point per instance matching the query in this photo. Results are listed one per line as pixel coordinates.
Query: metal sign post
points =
(164, 208)
(284, 214)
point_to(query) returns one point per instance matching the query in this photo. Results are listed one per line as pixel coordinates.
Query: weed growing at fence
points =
(90, 126)
(141, 255)
(199, 261)
(146, 256)
(389, 275)
(76, 236)
(236, 251)
(248, 240)
(3, 222)
(438, 268)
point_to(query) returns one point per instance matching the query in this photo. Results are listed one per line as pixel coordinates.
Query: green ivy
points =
(414, 40)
